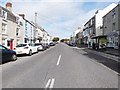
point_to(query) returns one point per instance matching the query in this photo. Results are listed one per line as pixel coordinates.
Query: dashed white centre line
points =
(58, 62)
(50, 83)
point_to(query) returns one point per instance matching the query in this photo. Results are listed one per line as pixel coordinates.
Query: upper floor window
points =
(113, 26)
(17, 20)
(17, 32)
(4, 29)
(4, 14)
(113, 13)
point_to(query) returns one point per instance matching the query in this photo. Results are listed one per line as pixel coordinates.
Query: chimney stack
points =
(9, 6)
(22, 15)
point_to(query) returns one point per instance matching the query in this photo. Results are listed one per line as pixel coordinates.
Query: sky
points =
(60, 18)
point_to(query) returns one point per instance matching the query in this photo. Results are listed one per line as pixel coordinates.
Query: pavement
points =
(59, 67)
(105, 54)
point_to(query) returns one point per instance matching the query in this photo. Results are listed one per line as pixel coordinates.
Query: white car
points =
(39, 46)
(26, 49)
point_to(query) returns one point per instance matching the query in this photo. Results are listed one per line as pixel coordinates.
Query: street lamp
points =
(35, 26)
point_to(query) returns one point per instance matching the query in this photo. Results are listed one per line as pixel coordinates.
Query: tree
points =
(55, 39)
(64, 40)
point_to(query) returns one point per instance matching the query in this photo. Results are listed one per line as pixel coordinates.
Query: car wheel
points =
(30, 52)
(14, 57)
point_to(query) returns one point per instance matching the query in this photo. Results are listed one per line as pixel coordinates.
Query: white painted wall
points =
(21, 33)
(11, 32)
(0, 30)
(99, 19)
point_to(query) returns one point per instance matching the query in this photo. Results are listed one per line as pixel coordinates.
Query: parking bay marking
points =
(58, 62)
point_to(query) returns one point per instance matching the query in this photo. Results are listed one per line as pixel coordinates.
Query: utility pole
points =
(35, 27)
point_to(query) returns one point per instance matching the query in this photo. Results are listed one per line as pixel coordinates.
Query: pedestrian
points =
(93, 45)
(89, 44)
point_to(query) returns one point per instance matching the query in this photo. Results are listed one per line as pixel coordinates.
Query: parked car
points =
(47, 45)
(7, 54)
(44, 46)
(39, 46)
(72, 44)
(52, 44)
(26, 49)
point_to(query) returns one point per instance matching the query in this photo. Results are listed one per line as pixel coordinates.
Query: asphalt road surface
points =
(60, 66)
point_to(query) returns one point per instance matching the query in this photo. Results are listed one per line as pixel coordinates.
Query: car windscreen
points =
(21, 45)
(2, 47)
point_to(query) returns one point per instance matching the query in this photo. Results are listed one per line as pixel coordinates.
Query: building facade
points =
(39, 34)
(111, 27)
(93, 29)
(16, 29)
(89, 32)
(11, 27)
(79, 37)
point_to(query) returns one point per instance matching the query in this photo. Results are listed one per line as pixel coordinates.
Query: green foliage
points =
(103, 40)
(55, 39)
(64, 40)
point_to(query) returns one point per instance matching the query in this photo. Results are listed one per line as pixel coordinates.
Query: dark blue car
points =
(52, 44)
(7, 54)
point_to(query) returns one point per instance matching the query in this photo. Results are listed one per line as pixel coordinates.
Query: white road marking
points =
(48, 83)
(58, 62)
(52, 83)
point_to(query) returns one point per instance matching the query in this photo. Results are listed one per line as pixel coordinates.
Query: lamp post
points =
(35, 27)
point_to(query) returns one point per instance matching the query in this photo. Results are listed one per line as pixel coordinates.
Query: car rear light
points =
(25, 47)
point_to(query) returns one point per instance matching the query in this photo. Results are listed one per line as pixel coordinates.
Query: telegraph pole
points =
(35, 26)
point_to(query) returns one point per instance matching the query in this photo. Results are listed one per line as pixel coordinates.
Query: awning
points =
(113, 34)
(95, 37)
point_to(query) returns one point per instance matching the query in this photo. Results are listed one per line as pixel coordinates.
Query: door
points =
(11, 45)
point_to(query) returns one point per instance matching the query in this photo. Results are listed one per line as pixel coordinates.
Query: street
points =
(61, 66)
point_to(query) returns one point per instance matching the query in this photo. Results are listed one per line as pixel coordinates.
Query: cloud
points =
(58, 17)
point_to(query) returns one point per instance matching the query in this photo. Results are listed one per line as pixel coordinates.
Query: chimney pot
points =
(9, 6)
(22, 15)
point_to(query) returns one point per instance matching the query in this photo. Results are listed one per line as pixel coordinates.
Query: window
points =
(2, 48)
(17, 20)
(4, 28)
(21, 23)
(4, 14)
(21, 45)
(25, 40)
(18, 42)
(113, 26)
(113, 14)
(8, 42)
(17, 32)
(3, 41)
